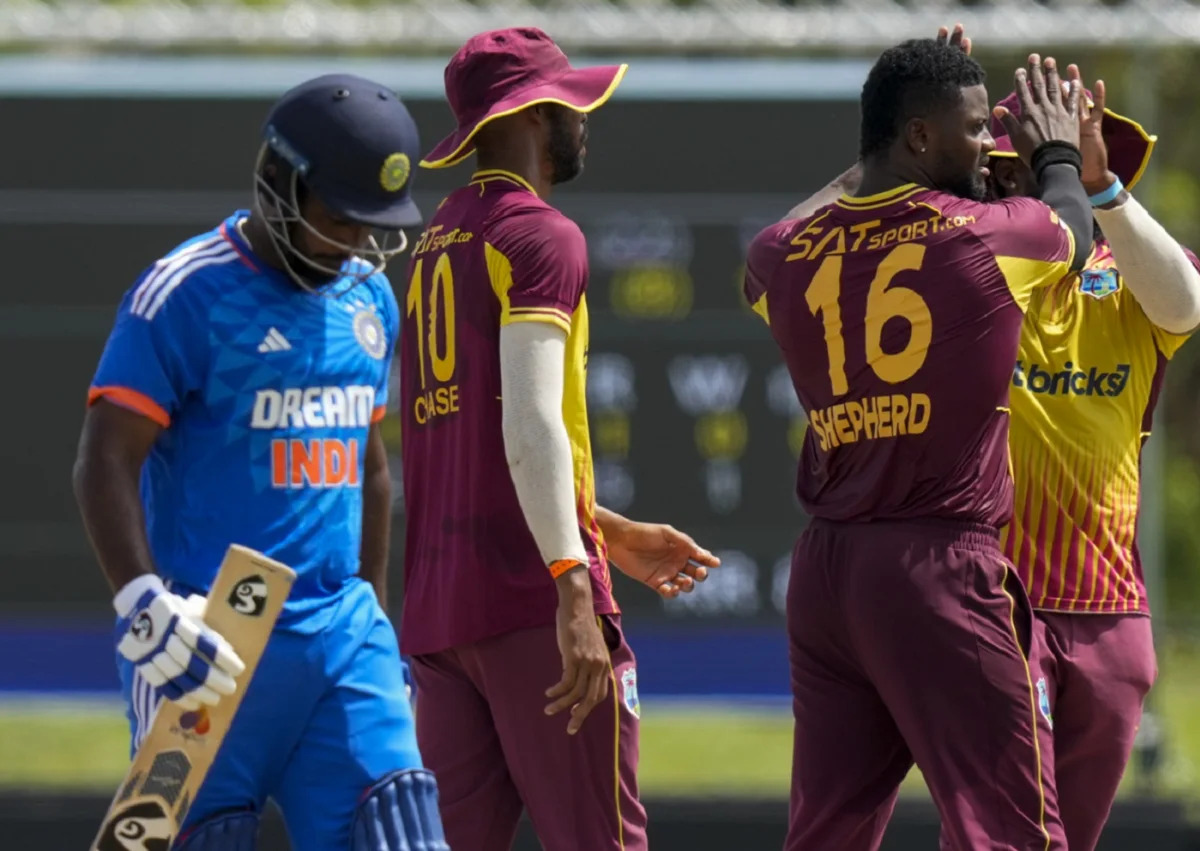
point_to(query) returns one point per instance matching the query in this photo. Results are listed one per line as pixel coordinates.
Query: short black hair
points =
(909, 80)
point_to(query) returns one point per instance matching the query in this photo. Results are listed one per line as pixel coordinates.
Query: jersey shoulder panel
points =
(195, 272)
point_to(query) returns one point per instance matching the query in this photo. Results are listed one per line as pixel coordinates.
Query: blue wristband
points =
(1102, 198)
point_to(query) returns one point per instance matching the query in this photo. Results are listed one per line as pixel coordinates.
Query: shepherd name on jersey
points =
(266, 395)
(898, 316)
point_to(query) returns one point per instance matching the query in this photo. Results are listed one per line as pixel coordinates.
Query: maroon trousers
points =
(914, 641)
(1100, 668)
(483, 731)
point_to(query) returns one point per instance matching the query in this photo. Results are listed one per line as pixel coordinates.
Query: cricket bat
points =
(175, 756)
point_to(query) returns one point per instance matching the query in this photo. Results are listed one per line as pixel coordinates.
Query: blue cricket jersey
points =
(266, 394)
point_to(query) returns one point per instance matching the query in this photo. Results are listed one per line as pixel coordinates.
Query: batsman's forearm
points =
(376, 532)
(109, 500)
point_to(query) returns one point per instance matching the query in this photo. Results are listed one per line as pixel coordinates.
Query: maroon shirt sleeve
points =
(766, 252)
(537, 263)
(1031, 245)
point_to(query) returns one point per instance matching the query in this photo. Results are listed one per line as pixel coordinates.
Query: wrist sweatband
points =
(558, 568)
(1102, 198)
(1055, 152)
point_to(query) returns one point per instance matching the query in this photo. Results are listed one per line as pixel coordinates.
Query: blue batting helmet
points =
(353, 144)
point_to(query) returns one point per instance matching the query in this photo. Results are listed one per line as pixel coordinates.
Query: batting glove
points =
(165, 638)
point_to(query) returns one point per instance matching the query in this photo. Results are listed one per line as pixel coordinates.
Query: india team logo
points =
(629, 692)
(368, 330)
(1044, 701)
(1099, 283)
(395, 172)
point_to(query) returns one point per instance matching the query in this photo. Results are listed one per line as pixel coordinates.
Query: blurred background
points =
(128, 126)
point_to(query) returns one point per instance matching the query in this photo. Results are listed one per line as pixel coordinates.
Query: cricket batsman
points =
(509, 615)
(898, 309)
(238, 400)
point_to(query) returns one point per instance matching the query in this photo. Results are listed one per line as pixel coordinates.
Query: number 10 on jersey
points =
(435, 338)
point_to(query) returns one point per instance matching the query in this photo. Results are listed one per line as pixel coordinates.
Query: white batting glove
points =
(165, 637)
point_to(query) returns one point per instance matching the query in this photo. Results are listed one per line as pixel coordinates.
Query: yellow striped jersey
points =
(1088, 374)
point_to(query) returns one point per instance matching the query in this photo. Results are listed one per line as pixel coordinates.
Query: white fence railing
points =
(729, 26)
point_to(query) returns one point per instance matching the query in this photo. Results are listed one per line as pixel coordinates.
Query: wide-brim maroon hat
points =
(1129, 145)
(500, 72)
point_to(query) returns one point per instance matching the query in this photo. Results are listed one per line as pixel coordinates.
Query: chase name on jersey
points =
(322, 462)
(1071, 380)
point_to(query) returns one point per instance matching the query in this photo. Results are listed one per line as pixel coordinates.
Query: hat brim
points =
(581, 89)
(1129, 147)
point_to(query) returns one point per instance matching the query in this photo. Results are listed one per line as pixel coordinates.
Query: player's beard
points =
(971, 186)
(566, 154)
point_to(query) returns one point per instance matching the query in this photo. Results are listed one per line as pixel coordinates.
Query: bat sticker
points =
(139, 827)
(249, 597)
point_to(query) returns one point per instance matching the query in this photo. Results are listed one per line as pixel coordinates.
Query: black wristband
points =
(1055, 152)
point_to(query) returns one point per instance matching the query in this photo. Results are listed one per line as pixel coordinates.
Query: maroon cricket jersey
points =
(493, 254)
(899, 315)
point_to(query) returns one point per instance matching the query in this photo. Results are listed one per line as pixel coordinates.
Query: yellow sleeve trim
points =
(553, 311)
(548, 318)
(760, 307)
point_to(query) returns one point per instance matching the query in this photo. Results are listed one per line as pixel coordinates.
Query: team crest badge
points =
(368, 330)
(1099, 283)
(629, 692)
(395, 172)
(1043, 697)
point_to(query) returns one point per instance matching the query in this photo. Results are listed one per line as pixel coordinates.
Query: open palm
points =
(662, 557)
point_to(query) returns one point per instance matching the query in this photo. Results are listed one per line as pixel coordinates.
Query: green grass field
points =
(687, 750)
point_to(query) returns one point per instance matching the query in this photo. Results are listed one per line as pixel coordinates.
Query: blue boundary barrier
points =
(737, 663)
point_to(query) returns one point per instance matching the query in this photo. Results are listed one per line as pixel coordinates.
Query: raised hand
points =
(1095, 174)
(955, 38)
(1049, 111)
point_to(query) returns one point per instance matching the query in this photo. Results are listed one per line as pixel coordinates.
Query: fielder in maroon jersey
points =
(898, 312)
(509, 614)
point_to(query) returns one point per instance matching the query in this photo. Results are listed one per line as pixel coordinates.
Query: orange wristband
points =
(558, 568)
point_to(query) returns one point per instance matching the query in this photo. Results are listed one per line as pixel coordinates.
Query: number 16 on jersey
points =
(899, 411)
(435, 338)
